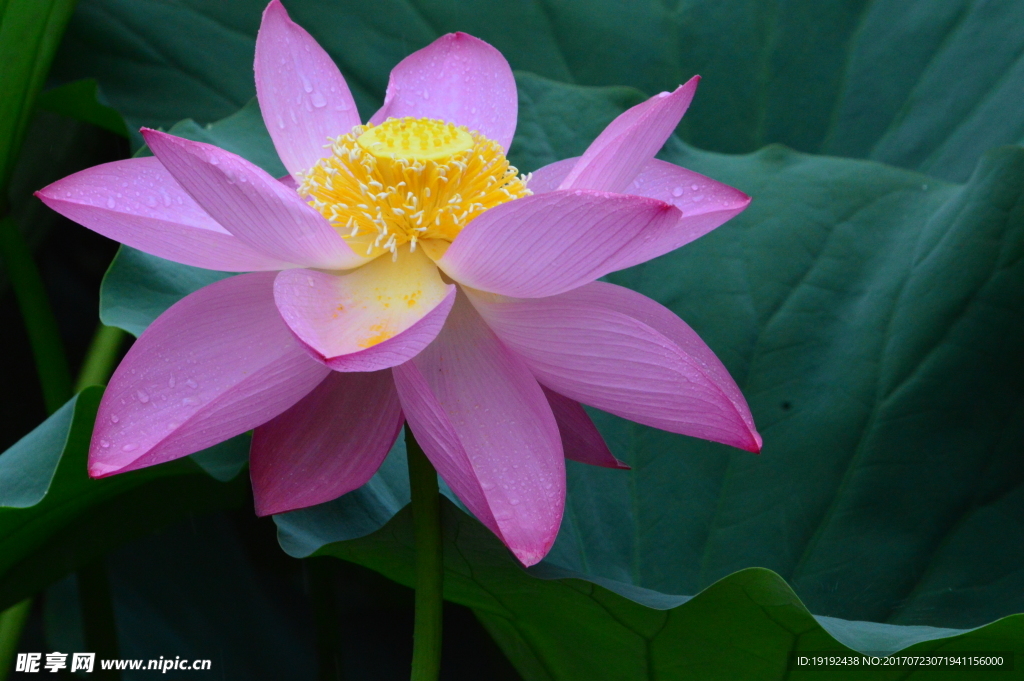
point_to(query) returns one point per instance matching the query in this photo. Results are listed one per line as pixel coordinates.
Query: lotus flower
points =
(404, 272)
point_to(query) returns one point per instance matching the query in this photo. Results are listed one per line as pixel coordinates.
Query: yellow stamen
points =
(407, 181)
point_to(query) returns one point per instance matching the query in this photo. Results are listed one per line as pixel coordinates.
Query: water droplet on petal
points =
(694, 187)
(114, 418)
(306, 85)
(111, 203)
(171, 382)
(104, 444)
(192, 384)
(142, 395)
(130, 447)
(318, 99)
(678, 191)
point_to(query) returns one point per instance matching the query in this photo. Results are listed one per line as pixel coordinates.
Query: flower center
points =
(415, 139)
(409, 180)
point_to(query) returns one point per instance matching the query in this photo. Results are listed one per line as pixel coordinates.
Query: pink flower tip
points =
(99, 470)
(757, 443)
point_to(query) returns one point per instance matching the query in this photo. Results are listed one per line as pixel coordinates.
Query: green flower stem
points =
(12, 621)
(98, 620)
(100, 359)
(426, 519)
(51, 362)
(98, 616)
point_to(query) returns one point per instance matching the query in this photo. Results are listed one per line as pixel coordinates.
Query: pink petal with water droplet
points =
(251, 204)
(544, 245)
(330, 443)
(612, 160)
(153, 214)
(704, 204)
(485, 424)
(303, 96)
(617, 350)
(234, 365)
(459, 79)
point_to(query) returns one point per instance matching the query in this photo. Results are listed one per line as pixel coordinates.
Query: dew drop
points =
(426, 94)
(694, 187)
(111, 203)
(678, 191)
(280, 122)
(142, 395)
(114, 418)
(306, 85)
(171, 382)
(104, 444)
(151, 201)
(318, 99)
(130, 447)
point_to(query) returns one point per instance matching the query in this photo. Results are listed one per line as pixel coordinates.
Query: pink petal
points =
(619, 351)
(630, 141)
(581, 440)
(215, 364)
(704, 203)
(485, 424)
(548, 178)
(331, 442)
(138, 203)
(375, 317)
(303, 96)
(252, 205)
(459, 79)
(544, 245)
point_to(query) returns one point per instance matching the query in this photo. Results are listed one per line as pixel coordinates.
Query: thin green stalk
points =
(98, 621)
(51, 362)
(426, 520)
(100, 358)
(12, 621)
